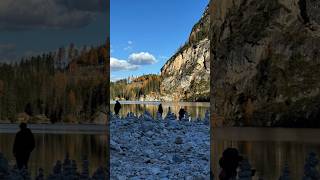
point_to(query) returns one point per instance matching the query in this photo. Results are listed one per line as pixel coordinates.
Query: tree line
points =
(135, 88)
(68, 85)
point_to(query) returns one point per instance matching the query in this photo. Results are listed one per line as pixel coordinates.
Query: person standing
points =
(229, 162)
(23, 146)
(160, 109)
(117, 107)
(181, 113)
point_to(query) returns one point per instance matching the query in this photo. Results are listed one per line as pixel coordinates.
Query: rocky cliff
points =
(185, 76)
(265, 62)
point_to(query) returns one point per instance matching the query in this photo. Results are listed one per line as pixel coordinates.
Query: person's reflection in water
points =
(229, 163)
(23, 145)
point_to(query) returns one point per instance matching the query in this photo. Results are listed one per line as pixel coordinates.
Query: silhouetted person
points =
(23, 146)
(181, 113)
(117, 107)
(160, 109)
(229, 163)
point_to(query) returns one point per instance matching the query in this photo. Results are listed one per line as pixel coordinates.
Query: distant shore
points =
(205, 104)
(57, 128)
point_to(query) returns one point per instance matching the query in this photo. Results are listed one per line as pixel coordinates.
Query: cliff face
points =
(185, 77)
(265, 62)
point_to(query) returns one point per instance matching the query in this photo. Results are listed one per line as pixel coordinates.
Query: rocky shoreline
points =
(66, 170)
(155, 148)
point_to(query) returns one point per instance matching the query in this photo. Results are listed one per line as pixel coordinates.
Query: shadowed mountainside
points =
(265, 63)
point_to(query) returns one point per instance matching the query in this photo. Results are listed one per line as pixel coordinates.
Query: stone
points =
(245, 171)
(177, 159)
(40, 174)
(178, 140)
(285, 175)
(155, 170)
(4, 167)
(310, 168)
(99, 174)
(85, 169)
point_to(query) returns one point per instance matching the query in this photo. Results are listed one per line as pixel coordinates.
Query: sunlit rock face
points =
(265, 62)
(185, 76)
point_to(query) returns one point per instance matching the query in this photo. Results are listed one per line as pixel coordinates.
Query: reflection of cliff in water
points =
(194, 109)
(53, 147)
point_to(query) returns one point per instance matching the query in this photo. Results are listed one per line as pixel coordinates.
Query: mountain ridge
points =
(185, 76)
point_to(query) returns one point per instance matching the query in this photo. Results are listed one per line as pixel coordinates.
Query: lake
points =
(53, 147)
(268, 148)
(195, 109)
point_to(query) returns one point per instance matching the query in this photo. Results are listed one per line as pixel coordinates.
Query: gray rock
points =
(178, 140)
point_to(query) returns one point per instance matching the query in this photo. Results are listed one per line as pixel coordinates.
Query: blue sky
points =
(146, 33)
(31, 27)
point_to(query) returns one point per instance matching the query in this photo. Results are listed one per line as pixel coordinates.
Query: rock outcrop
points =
(186, 74)
(265, 62)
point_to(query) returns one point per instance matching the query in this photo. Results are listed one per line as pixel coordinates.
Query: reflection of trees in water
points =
(194, 111)
(52, 147)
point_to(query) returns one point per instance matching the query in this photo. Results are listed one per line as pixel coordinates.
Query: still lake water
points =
(195, 109)
(268, 149)
(53, 147)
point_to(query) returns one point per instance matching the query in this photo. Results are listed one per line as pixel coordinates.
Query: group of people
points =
(117, 108)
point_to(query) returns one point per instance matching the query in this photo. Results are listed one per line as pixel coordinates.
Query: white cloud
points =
(129, 46)
(121, 65)
(142, 58)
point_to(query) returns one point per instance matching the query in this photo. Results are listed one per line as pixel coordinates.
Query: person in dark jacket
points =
(117, 107)
(23, 146)
(229, 163)
(160, 109)
(181, 113)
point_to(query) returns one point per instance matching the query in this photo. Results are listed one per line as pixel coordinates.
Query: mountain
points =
(185, 76)
(265, 62)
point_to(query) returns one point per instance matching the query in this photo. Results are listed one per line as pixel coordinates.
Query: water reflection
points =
(268, 156)
(53, 147)
(195, 109)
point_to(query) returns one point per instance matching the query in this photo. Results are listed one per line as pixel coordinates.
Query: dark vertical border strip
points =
(211, 93)
(107, 67)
